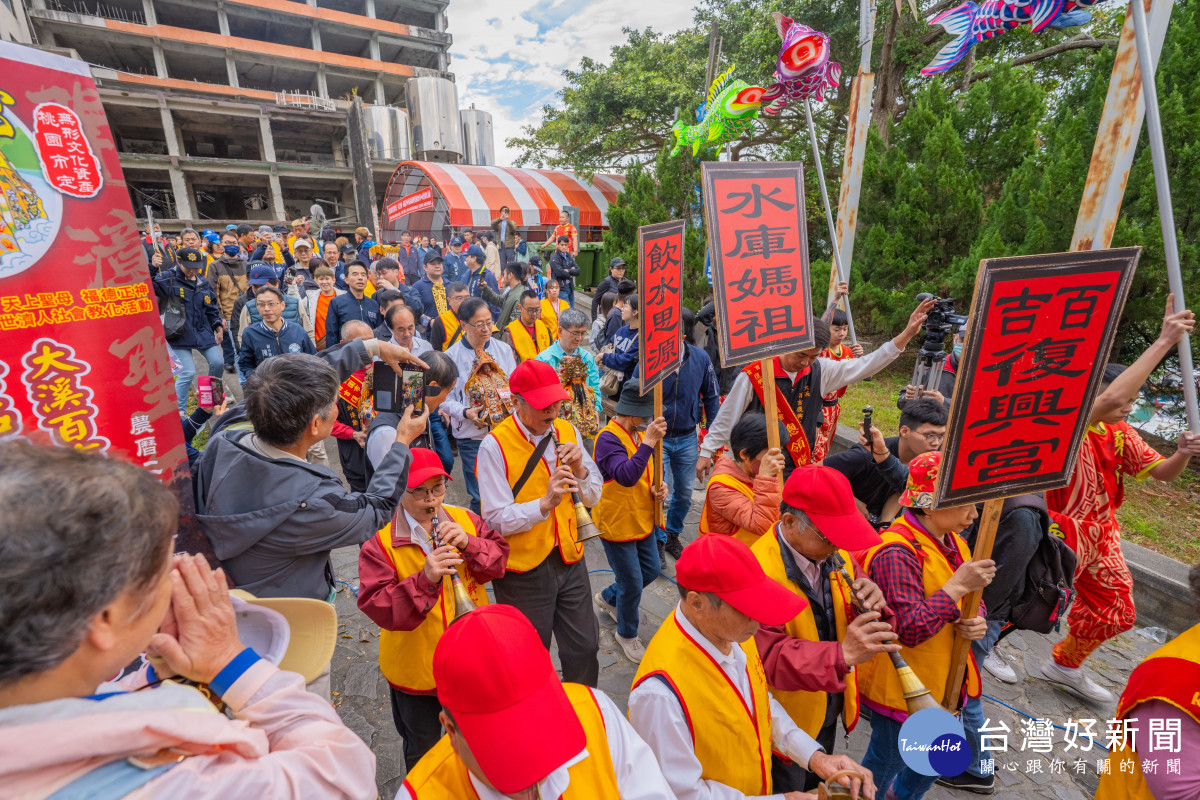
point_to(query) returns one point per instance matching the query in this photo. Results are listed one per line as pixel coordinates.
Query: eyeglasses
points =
(575, 334)
(932, 439)
(533, 312)
(269, 305)
(421, 493)
(485, 325)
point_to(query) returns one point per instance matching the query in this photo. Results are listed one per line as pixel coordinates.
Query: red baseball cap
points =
(725, 566)
(825, 497)
(495, 677)
(425, 465)
(536, 382)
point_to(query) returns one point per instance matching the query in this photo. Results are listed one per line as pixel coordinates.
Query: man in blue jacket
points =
(686, 393)
(272, 335)
(202, 328)
(480, 281)
(409, 257)
(452, 259)
(431, 289)
(354, 304)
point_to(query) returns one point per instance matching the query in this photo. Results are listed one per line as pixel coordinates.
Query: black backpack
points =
(1049, 577)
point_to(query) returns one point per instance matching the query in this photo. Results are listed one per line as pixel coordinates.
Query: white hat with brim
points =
(297, 634)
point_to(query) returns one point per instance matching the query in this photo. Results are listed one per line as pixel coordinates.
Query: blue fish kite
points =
(970, 24)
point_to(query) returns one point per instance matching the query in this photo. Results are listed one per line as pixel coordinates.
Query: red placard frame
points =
(660, 282)
(1016, 301)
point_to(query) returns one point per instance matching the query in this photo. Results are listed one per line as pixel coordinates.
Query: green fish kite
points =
(728, 114)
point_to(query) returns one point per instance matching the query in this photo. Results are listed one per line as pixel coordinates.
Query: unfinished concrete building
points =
(237, 110)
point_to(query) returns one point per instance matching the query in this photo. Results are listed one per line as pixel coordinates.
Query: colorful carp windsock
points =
(727, 114)
(803, 68)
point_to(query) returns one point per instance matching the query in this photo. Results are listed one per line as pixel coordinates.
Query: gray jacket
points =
(272, 522)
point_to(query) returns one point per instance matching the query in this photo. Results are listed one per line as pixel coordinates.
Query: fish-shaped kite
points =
(803, 68)
(970, 24)
(727, 114)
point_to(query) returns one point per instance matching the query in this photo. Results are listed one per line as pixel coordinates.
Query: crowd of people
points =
(808, 570)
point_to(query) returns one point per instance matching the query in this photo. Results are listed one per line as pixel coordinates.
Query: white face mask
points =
(958, 348)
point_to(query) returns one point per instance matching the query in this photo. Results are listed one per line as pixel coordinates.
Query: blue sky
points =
(508, 55)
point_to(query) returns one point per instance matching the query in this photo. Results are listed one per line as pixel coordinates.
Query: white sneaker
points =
(633, 648)
(1075, 680)
(1001, 671)
(604, 605)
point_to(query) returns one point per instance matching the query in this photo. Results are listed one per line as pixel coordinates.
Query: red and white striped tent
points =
(436, 199)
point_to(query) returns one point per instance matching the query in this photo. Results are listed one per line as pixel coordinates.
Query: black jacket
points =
(563, 269)
(346, 307)
(199, 304)
(609, 284)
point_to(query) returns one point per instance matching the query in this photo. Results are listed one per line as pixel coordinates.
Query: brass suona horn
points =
(916, 696)
(462, 601)
(584, 527)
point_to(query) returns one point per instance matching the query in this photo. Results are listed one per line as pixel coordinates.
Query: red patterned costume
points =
(1085, 513)
(831, 407)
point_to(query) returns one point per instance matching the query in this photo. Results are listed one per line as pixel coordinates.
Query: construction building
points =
(254, 110)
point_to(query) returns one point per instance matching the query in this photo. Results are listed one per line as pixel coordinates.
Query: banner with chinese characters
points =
(758, 244)
(660, 276)
(1039, 335)
(83, 362)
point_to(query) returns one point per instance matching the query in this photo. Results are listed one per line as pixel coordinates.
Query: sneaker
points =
(1001, 671)
(674, 546)
(633, 648)
(970, 783)
(230, 368)
(604, 605)
(1075, 680)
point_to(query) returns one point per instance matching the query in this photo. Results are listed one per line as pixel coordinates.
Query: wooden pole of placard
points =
(988, 523)
(659, 516)
(770, 406)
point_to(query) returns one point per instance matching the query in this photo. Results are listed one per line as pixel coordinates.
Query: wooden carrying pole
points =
(659, 516)
(970, 604)
(770, 406)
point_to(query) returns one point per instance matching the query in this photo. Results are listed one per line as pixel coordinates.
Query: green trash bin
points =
(588, 274)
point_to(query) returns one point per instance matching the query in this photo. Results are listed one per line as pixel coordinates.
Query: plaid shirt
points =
(897, 571)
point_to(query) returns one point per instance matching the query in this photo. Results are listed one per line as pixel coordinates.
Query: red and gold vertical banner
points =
(1040, 331)
(660, 279)
(83, 362)
(758, 243)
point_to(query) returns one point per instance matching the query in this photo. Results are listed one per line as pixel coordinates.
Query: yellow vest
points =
(550, 315)
(626, 513)
(451, 324)
(807, 709)
(1172, 674)
(529, 548)
(441, 773)
(743, 534)
(525, 346)
(406, 657)
(732, 741)
(930, 660)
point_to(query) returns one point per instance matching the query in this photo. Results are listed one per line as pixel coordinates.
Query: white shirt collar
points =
(736, 657)
(417, 532)
(806, 565)
(553, 785)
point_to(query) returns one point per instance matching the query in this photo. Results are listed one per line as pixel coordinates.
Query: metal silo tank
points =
(388, 134)
(433, 109)
(477, 139)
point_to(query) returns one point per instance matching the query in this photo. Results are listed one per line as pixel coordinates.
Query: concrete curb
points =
(1160, 584)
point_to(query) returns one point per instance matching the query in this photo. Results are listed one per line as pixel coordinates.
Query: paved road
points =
(361, 694)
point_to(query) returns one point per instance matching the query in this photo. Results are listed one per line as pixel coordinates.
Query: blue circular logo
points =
(294, 347)
(932, 743)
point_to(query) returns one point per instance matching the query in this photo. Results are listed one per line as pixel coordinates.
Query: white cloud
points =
(508, 57)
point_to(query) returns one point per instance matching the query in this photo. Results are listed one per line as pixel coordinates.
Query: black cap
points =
(433, 255)
(616, 262)
(190, 257)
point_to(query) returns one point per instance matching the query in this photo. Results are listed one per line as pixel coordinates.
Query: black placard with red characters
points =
(1040, 331)
(660, 280)
(758, 245)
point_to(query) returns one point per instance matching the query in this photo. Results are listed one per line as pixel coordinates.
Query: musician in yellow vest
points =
(1164, 688)
(924, 569)
(527, 335)
(445, 329)
(405, 589)
(514, 730)
(625, 513)
(810, 661)
(742, 497)
(700, 697)
(553, 306)
(526, 480)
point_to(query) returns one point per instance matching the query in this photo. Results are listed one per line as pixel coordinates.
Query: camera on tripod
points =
(941, 322)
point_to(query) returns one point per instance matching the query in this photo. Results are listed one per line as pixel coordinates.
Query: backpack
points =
(1049, 576)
